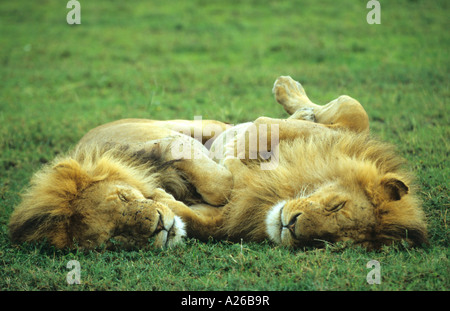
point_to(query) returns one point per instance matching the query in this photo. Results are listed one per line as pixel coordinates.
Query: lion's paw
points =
(306, 114)
(285, 88)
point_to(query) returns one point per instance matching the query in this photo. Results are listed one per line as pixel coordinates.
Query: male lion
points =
(118, 186)
(126, 182)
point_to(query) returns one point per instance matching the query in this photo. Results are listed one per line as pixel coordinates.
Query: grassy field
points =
(218, 60)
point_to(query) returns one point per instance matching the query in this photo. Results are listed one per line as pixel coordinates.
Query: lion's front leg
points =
(211, 180)
(187, 155)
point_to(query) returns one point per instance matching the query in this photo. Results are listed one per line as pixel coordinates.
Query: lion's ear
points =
(394, 187)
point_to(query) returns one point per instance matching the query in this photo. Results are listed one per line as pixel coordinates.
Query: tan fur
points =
(316, 174)
(122, 185)
(333, 181)
(118, 188)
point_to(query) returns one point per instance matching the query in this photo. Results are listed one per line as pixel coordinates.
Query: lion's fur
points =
(51, 208)
(305, 164)
(333, 182)
(65, 200)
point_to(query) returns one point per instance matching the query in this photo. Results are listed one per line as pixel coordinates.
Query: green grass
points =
(219, 59)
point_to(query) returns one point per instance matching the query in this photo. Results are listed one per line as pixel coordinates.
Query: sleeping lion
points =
(146, 183)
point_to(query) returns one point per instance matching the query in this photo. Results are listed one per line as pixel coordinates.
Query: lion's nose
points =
(291, 225)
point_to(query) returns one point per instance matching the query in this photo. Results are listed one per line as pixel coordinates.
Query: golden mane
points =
(48, 205)
(358, 160)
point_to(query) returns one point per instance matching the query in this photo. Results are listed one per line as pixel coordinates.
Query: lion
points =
(126, 184)
(333, 183)
(117, 188)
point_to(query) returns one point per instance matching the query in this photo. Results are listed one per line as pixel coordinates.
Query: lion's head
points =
(371, 214)
(338, 186)
(93, 200)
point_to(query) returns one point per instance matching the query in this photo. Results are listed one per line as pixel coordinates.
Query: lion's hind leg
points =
(291, 95)
(343, 112)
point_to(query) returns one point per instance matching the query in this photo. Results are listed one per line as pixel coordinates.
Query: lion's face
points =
(118, 212)
(334, 213)
(329, 214)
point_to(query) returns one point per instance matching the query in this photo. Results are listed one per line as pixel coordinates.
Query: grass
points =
(217, 59)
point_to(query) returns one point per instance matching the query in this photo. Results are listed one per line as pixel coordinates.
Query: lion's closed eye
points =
(334, 207)
(122, 197)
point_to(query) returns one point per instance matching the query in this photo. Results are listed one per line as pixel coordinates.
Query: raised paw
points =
(285, 87)
(290, 94)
